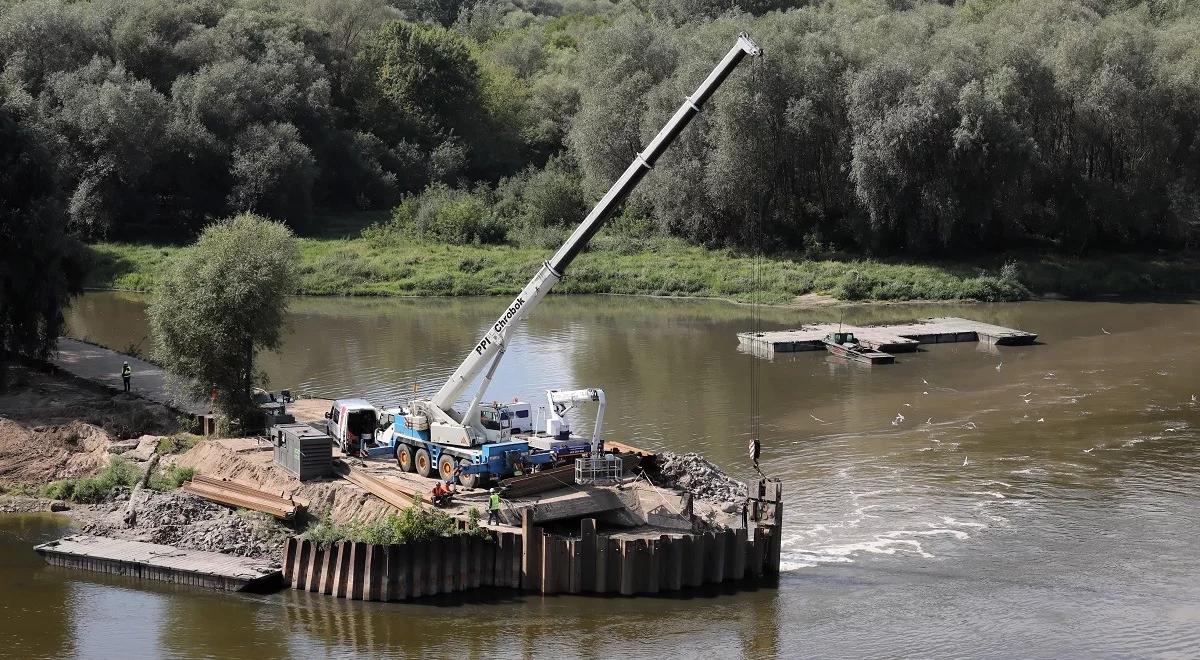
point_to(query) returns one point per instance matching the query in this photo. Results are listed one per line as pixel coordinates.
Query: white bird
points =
(1026, 394)
(1088, 451)
(909, 405)
(964, 461)
(929, 421)
(1026, 400)
(1193, 398)
(970, 426)
(999, 365)
(924, 381)
(1041, 419)
(928, 393)
(1105, 331)
(899, 418)
(816, 418)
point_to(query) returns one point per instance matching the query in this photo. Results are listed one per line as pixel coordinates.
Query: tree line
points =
(876, 126)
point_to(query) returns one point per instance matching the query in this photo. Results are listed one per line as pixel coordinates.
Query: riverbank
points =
(668, 267)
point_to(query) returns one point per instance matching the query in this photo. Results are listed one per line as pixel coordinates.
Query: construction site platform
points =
(152, 561)
(886, 338)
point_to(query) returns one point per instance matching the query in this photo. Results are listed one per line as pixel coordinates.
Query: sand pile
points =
(244, 461)
(39, 455)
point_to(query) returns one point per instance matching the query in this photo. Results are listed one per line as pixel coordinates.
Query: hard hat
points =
(493, 490)
(127, 362)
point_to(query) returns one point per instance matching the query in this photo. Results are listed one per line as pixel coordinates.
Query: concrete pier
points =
(152, 561)
(888, 339)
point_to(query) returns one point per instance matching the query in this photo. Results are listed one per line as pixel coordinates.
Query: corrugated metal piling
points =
(534, 560)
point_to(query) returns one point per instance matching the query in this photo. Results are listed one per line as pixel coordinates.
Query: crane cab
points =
(502, 420)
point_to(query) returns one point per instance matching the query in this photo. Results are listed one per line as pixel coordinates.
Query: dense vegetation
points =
(40, 265)
(898, 126)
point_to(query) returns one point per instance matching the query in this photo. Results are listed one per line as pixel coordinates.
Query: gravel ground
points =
(693, 473)
(184, 520)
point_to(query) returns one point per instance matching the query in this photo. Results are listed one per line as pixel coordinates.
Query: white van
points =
(352, 423)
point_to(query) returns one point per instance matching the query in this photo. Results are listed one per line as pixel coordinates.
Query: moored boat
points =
(846, 345)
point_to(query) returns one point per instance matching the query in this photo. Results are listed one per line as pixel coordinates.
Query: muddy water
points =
(1037, 501)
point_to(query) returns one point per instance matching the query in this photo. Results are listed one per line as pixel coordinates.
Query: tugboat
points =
(845, 344)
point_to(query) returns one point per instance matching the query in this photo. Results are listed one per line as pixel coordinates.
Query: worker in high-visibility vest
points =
(494, 507)
(126, 374)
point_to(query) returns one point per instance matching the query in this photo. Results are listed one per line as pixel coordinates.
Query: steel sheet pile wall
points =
(536, 561)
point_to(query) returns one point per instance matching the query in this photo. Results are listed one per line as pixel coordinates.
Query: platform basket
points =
(606, 469)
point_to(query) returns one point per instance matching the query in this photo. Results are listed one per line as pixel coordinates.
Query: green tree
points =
(220, 303)
(39, 264)
(273, 172)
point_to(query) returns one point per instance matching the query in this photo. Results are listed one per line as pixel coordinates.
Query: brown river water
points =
(1039, 501)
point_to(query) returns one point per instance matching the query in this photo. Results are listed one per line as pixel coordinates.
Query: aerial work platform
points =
(887, 338)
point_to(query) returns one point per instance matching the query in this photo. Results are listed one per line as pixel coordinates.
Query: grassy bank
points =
(669, 267)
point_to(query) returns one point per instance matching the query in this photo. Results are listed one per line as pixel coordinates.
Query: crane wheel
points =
(446, 465)
(470, 480)
(404, 458)
(424, 465)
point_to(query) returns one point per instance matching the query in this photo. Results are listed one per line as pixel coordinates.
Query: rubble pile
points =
(184, 520)
(693, 473)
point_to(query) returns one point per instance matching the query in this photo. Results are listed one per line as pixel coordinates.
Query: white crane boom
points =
(489, 347)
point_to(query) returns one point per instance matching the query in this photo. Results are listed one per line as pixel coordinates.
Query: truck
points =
(476, 444)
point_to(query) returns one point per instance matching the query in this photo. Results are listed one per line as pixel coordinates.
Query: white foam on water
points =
(956, 533)
(990, 493)
(951, 522)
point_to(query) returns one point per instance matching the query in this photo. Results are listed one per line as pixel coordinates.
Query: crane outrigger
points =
(429, 429)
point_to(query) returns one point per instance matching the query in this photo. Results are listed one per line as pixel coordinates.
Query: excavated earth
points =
(186, 521)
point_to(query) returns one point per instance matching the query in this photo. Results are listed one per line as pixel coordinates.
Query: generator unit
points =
(302, 450)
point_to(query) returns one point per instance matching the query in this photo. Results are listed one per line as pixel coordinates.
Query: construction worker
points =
(126, 374)
(441, 494)
(494, 507)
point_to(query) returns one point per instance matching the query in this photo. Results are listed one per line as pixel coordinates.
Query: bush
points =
(447, 215)
(90, 490)
(416, 523)
(177, 444)
(171, 478)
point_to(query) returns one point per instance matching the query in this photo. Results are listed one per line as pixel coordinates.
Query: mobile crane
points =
(431, 432)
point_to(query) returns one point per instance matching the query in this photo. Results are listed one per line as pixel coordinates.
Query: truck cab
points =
(353, 425)
(503, 420)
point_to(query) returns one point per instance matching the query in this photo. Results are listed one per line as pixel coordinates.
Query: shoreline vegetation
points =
(669, 267)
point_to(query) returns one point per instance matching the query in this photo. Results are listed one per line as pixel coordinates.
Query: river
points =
(1039, 501)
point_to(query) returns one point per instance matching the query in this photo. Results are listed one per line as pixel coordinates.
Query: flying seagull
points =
(999, 365)
(1105, 331)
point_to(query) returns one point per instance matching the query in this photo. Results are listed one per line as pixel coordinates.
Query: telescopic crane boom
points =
(445, 423)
